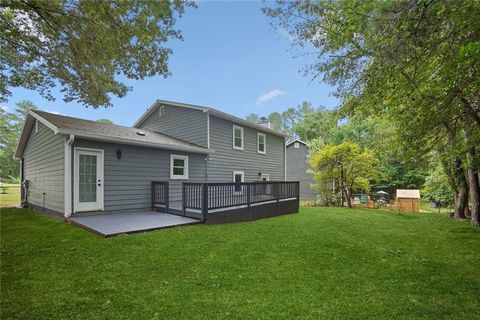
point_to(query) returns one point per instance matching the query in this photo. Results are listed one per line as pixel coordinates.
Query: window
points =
(261, 143)
(178, 167)
(161, 111)
(265, 177)
(36, 126)
(238, 177)
(296, 145)
(237, 138)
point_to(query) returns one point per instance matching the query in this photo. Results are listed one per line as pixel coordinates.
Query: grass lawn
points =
(12, 196)
(320, 263)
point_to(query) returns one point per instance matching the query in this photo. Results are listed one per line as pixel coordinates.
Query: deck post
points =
(153, 195)
(204, 200)
(167, 196)
(276, 186)
(297, 193)
(248, 197)
(183, 198)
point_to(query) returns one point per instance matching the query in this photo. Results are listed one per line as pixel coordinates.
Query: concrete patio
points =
(115, 223)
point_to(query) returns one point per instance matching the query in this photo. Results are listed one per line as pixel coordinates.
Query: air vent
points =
(141, 133)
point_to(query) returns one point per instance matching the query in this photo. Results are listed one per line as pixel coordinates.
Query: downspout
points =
(68, 175)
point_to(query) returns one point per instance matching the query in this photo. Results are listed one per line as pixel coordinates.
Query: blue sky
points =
(230, 59)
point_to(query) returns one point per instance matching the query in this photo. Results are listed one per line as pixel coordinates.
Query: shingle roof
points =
(78, 126)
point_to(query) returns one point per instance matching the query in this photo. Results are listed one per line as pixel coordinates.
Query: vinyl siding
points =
(182, 123)
(44, 162)
(297, 167)
(225, 159)
(127, 181)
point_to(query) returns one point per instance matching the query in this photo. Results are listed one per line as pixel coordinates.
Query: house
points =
(70, 165)
(408, 200)
(297, 169)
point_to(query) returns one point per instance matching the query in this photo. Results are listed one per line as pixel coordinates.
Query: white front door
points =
(88, 187)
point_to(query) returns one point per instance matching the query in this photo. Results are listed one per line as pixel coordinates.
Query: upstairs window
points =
(296, 145)
(237, 138)
(178, 167)
(261, 143)
(36, 126)
(161, 111)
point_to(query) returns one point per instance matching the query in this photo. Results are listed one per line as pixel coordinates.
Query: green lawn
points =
(320, 263)
(11, 197)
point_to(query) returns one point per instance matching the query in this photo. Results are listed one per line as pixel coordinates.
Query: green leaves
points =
(83, 46)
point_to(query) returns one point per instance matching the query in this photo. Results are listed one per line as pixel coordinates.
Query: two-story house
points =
(72, 165)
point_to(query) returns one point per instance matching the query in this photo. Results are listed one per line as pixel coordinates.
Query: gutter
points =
(68, 175)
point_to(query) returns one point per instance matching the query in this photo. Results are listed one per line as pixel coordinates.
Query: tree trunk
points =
(461, 202)
(474, 188)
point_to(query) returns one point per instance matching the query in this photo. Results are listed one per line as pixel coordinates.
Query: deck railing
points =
(205, 197)
(160, 195)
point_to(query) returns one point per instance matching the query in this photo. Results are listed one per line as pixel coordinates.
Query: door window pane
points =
(87, 172)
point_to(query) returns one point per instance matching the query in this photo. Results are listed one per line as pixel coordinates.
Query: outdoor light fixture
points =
(259, 174)
(119, 153)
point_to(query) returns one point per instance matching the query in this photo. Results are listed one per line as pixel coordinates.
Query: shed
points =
(408, 200)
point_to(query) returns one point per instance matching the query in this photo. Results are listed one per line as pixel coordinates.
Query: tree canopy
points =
(84, 46)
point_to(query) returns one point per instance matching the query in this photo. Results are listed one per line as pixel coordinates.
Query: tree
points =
(347, 166)
(416, 63)
(11, 125)
(84, 45)
(436, 187)
(106, 121)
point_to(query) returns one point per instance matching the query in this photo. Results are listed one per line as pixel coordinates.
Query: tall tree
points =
(84, 45)
(11, 125)
(347, 165)
(415, 62)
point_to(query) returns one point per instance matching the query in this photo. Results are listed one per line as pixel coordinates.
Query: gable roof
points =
(94, 130)
(408, 193)
(296, 140)
(208, 110)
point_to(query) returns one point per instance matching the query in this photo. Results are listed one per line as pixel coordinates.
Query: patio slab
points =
(115, 223)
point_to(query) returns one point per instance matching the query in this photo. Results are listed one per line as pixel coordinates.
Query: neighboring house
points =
(74, 165)
(297, 167)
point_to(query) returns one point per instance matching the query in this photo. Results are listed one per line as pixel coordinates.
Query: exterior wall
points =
(44, 163)
(127, 181)
(182, 123)
(408, 205)
(225, 159)
(297, 167)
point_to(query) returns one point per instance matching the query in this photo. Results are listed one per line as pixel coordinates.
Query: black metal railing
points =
(203, 197)
(160, 195)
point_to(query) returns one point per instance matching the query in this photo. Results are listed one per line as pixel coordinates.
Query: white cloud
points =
(269, 96)
(5, 108)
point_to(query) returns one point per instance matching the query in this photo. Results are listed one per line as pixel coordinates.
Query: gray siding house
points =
(73, 165)
(297, 167)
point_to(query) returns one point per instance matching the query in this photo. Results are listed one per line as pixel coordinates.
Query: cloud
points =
(269, 96)
(285, 34)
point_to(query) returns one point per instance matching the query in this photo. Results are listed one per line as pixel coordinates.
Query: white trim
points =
(240, 173)
(67, 189)
(264, 143)
(45, 122)
(161, 111)
(208, 131)
(185, 168)
(35, 126)
(100, 175)
(233, 137)
(297, 140)
(266, 175)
